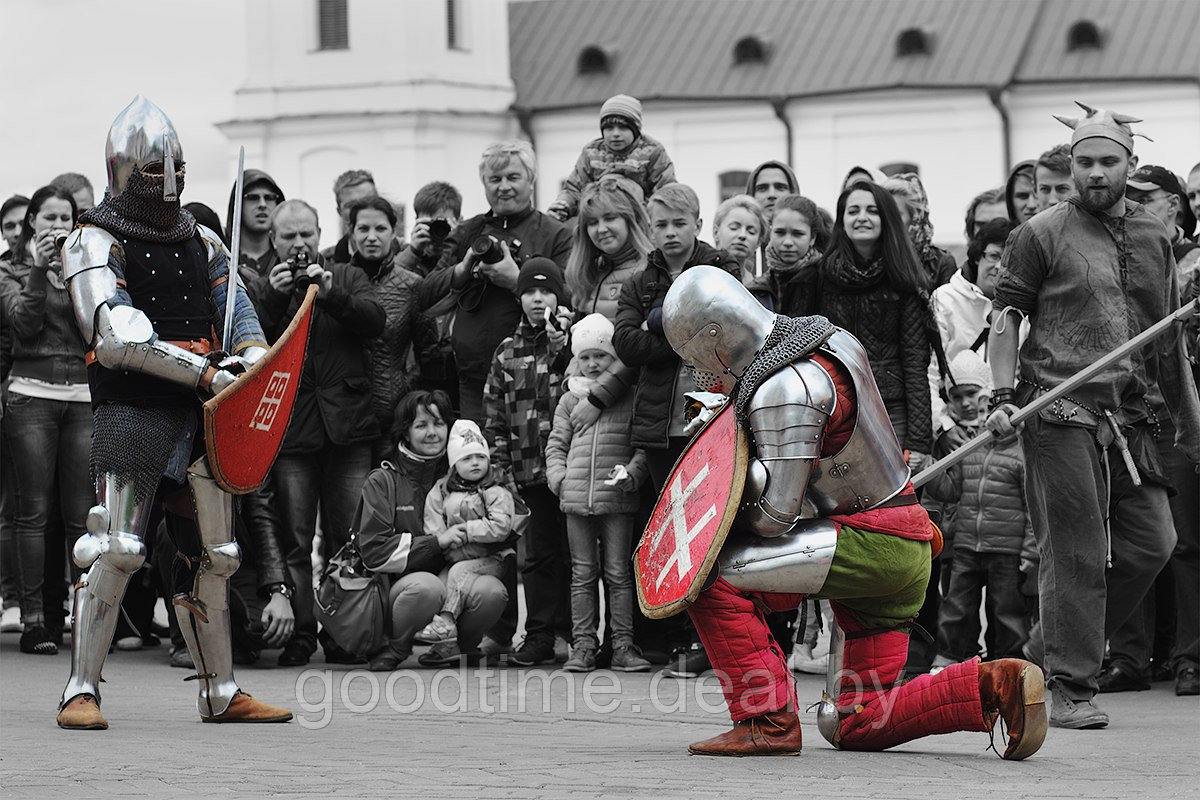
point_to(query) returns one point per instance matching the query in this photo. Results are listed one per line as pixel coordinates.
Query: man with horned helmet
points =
(1090, 274)
(149, 288)
(828, 511)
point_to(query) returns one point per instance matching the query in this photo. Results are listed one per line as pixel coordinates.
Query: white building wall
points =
(399, 102)
(1171, 113)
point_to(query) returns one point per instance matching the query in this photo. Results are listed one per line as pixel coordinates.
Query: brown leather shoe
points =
(245, 708)
(82, 714)
(1015, 691)
(774, 734)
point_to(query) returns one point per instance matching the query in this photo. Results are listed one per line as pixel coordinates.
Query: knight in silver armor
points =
(827, 511)
(149, 321)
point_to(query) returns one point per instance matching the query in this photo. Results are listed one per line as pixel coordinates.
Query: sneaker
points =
(562, 649)
(438, 630)
(129, 643)
(1187, 681)
(627, 658)
(491, 648)
(443, 654)
(180, 657)
(10, 620)
(36, 641)
(1066, 712)
(386, 660)
(802, 660)
(583, 659)
(532, 652)
(688, 662)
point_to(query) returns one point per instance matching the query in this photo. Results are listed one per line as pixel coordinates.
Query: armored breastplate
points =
(870, 468)
(168, 281)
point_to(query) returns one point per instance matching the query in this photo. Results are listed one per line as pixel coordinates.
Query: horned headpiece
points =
(1102, 123)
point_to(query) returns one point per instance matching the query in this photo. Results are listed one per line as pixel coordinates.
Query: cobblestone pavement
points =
(532, 733)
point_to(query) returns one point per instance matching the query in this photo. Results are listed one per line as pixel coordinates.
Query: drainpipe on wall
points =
(997, 98)
(525, 123)
(779, 106)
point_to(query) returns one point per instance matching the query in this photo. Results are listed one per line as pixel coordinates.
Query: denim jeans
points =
(1083, 602)
(547, 585)
(330, 480)
(10, 582)
(585, 534)
(417, 596)
(461, 577)
(48, 442)
(958, 625)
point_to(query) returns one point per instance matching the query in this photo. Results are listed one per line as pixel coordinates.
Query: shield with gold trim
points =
(244, 424)
(692, 517)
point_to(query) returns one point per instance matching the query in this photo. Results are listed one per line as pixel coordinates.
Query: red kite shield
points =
(692, 517)
(244, 425)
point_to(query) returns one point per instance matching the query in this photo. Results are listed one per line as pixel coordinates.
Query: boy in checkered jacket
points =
(521, 393)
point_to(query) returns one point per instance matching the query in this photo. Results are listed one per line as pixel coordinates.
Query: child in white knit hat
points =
(622, 149)
(473, 517)
(596, 473)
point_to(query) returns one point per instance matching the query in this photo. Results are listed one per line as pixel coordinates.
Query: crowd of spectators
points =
(489, 405)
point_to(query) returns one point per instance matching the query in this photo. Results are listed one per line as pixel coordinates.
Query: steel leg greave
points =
(204, 615)
(111, 552)
(795, 562)
(828, 720)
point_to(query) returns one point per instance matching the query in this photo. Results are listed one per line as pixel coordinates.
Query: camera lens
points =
(487, 249)
(439, 229)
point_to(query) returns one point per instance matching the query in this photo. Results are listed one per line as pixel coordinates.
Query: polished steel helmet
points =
(140, 136)
(715, 325)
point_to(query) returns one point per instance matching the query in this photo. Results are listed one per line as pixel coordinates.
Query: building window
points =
(1083, 35)
(456, 38)
(731, 183)
(594, 60)
(750, 50)
(913, 42)
(332, 25)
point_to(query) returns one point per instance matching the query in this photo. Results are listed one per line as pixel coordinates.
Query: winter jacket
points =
(648, 350)
(390, 525)
(645, 162)
(988, 490)
(46, 344)
(405, 329)
(486, 313)
(486, 515)
(333, 403)
(961, 311)
(892, 328)
(606, 296)
(578, 462)
(519, 397)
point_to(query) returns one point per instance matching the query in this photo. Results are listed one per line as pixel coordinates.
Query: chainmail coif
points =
(141, 213)
(791, 338)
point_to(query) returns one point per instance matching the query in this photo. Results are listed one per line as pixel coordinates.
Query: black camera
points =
(300, 270)
(487, 249)
(439, 229)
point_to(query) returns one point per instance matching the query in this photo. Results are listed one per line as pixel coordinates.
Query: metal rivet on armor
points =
(153, 272)
(147, 255)
(185, 297)
(152, 299)
(177, 255)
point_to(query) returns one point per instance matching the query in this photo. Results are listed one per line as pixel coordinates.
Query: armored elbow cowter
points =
(121, 336)
(787, 415)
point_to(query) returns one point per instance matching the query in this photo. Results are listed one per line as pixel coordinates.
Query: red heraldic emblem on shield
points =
(244, 425)
(692, 517)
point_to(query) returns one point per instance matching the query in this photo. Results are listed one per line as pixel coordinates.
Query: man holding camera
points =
(326, 453)
(481, 260)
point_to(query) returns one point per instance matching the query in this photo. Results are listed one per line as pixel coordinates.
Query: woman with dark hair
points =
(48, 421)
(393, 542)
(372, 229)
(797, 238)
(872, 284)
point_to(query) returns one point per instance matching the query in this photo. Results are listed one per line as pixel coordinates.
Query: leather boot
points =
(244, 708)
(82, 714)
(773, 734)
(1015, 691)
